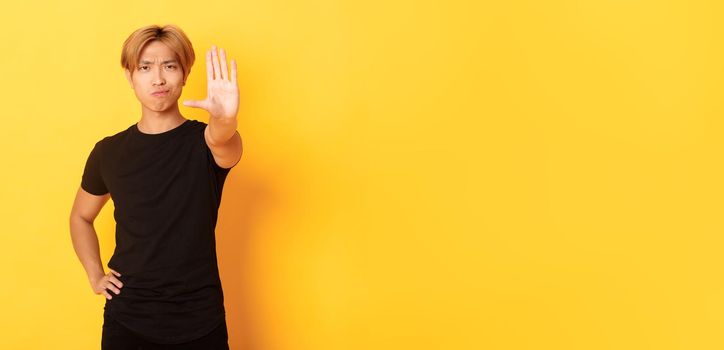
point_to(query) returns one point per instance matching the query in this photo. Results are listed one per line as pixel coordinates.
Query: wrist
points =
(95, 276)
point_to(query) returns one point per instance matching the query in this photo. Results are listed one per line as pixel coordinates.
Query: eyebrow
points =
(147, 62)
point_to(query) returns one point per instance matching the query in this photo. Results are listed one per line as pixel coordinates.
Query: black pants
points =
(117, 337)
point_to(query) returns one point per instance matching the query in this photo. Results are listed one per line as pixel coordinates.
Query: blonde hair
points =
(169, 34)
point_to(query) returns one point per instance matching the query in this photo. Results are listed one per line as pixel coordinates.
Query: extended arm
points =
(222, 103)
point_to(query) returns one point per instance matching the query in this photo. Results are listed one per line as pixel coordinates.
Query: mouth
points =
(160, 93)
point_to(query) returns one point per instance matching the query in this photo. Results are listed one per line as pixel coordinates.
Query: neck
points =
(153, 122)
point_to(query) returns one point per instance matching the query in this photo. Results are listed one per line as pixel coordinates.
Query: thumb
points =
(194, 104)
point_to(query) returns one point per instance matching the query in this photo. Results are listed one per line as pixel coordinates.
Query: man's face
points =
(158, 71)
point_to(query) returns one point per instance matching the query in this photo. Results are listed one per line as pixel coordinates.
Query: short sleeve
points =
(92, 181)
(217, 169)
(221, 172)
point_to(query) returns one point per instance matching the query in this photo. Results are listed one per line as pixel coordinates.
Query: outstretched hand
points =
(222, 100)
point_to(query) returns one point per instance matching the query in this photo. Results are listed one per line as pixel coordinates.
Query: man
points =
(165, 174)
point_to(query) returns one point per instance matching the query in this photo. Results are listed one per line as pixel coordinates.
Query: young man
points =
(165, 174)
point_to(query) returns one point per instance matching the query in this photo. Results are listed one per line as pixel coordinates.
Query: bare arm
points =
(85, 241)
(226, 153)
(222, 103)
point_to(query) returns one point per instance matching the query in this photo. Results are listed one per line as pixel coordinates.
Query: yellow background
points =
(416, 174)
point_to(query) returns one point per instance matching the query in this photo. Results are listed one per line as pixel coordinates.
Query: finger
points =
(224, 71)
(115, 272)
(233, 70)
(113, 288)
(115, 281)
(195, 104)
(209, 67)
(215, 62)
(108, 296)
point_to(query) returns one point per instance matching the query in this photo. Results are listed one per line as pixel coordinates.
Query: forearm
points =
(85, 243)
(221, 129)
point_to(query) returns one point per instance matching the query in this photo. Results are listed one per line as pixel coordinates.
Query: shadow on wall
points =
(248, 200)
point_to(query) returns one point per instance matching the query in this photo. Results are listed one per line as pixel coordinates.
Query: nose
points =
(158, 78)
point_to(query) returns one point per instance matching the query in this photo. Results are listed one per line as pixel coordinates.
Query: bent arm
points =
(83, 234)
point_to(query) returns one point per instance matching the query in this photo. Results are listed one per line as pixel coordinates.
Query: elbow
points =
(76, 219)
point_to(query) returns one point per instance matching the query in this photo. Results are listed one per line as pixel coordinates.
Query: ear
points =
(128, 77)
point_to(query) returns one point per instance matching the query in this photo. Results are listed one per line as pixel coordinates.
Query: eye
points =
(142, 67)
(171, 66)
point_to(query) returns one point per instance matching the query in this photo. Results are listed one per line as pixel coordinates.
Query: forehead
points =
(156, 51)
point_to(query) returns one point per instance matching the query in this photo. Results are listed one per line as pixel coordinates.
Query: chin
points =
(159, 108)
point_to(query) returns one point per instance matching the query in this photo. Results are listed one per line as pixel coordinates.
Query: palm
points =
(222, 100)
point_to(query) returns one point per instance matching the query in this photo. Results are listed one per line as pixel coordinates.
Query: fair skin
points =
(159, 70)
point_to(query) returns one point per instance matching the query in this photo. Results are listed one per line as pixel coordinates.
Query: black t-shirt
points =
(166, 189)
